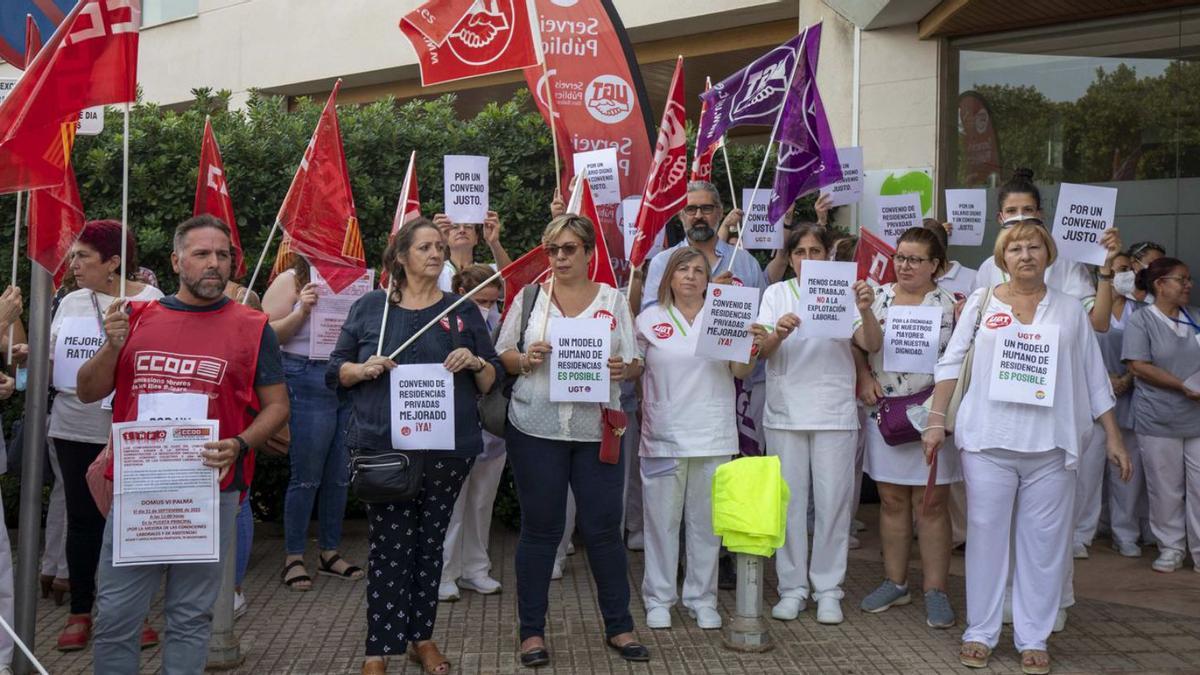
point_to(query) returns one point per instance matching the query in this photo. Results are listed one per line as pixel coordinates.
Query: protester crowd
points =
(1026, 487)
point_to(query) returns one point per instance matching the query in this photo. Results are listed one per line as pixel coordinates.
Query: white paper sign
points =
(757, 232)
(579, 351)
(327, 316)
(466, 179)
(897, 213)
(422, 407)
(170, 405)
(725, 331)
(849, 189)
(600, 168)
(967, 212)
(1084, 212)
(165, 501)
(1025, 365)
(910, 339)
(826, 294)
(79, 338)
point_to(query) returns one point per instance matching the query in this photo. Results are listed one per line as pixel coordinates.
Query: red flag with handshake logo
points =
(666, 186)
(476, 38)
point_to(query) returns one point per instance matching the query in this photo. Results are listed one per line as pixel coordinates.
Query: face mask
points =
(701, 233)
(1123, 283)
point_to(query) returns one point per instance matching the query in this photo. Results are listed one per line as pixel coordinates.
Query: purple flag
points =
(752, 95)
(807, 157)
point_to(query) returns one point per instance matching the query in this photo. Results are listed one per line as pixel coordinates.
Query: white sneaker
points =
(1168, 561)
(570, 548)
(1079, 551)
(557, 572)
(857, 525)
(448, 592)
(1128, 549)
(788, 609)
(483, 585)
(6, 670)
(636, 541)
(1060, 621)
(707, 618)
(829, 611)
(239, 606)
(658, 618)
(854, 544)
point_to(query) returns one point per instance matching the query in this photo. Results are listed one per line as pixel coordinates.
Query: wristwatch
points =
(243, 446)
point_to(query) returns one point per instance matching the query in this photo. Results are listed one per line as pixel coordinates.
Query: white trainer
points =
(557, 572)
(1079, 551)
(448, 592)
(1060, 621)
(658, 618)
(829, 611)
(1168, 561)
(707, 618)
(483, 585)
(1128, 549)
(239, 605)
(636, 541)
(787, 609)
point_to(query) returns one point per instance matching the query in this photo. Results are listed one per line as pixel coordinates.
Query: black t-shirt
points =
(270, 361)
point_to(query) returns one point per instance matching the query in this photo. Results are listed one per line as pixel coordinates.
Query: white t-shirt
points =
(958, 280)
(1082, 388)
(1064, 276)
(687, 400)
(810, 382)
(70, 418)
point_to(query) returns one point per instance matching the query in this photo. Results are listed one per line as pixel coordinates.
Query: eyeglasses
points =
(706, 209)
(902, 260)
(568, 250)
(1183, 281)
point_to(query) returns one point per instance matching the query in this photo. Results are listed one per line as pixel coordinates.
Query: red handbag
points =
(612, 427)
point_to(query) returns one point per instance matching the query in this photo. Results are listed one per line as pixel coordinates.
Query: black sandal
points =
(535, 658)
(298, 579)
(631, 651)
(351, 573)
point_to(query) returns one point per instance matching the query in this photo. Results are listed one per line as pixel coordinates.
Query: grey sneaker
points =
(938, 613)
(887, 595)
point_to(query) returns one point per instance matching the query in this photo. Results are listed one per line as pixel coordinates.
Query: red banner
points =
(408, 208)
(212, 193)
(55, 217)
(666, 186)
(702, 162)
(436, 19)
(583, 204)
(492, 37)
(532, 267)
(874, 258)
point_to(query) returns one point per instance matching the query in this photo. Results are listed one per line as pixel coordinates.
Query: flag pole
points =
(387, 302)
(125, 202)
(553, 126)
(546, 316)
(466, 296)
(13, 278)
(729, 175)
(263, 255)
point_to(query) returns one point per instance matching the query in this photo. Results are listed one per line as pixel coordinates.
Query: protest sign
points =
(897, 213)
(421, 407)
(466, 180)
(327, 316)
(1025, 364)
(757, 231)
(910, 339)
(79, 338)
(579, 351)
(848, 190)
(628, 214)
(725, 331)
(826, 294)
(165, 501)
(1084, 212)
(967, 212)
(90, 122)
(600, 168)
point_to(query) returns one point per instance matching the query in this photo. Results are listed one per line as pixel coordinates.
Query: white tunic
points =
(810, 382)
(1064, 276)
(687, 400)
(959, 280)
(1082, 388)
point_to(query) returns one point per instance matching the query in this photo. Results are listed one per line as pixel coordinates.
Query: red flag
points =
(318, 213)
(408, 208)
(436, 19)
(703, 161)
(582, 203)
(212, 192)
(666, 186)
(91, 60)
(874, 258)
(491, 37)
(530, 268)
(55, 217)
(33, 42)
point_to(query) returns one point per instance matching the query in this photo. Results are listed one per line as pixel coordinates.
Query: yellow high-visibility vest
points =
(749, 505)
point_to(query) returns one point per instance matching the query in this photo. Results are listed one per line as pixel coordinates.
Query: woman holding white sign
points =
(811, 421)
(1162, 348)
(80, 430)
(919, 318)
(690, 430)
(1034, 384)
(406, 536)
(553, 445)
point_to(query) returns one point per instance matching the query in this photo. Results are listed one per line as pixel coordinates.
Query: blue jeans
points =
(317, 455)
(245, 537)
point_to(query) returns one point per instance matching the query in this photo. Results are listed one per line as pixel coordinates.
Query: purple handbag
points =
(892, 417)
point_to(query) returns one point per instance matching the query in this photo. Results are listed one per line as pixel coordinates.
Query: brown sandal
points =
(429, 657)
(1030, 662)
(974, 654)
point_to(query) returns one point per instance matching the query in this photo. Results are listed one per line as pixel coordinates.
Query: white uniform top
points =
(959, 280)
(530, 409)
(810, 382)
(687, 400)
(1083, 391)
(1064, 276)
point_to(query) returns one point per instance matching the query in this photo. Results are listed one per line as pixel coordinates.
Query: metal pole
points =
(747, 632)
(224, 649)
(30, 533)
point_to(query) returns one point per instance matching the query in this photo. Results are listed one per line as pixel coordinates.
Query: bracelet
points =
(934, 412)
(482, 364)
(934, 426)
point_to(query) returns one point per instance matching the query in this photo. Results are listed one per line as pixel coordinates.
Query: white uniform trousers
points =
(465, 552)
(678, 490)
(826, 459)
(1127, 504)
(1031, 494)
(958, 512)
(54, 558)
(1089, 478)
(1173, 485)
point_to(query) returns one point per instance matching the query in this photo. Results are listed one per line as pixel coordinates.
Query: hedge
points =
(262, 145)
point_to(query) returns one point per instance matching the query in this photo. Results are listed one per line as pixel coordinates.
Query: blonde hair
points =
(578, 225)
(666, 297)
(1023, 231)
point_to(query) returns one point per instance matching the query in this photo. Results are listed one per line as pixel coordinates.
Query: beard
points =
(701, 233)
(208, 286)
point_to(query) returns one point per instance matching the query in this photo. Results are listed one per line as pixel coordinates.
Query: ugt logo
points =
(762, 91)
(106, 17)
(484, 33)
(608, 99)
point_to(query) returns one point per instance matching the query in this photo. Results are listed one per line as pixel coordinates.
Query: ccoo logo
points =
(484, 33)
(608, 99)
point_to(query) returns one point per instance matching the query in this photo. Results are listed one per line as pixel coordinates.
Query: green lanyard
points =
(675, 320)
(791, 284)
